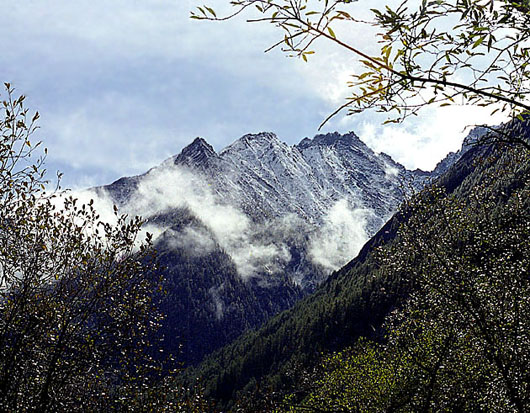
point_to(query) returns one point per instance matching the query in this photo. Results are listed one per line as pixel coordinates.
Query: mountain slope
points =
(206, 302)
(351, 303)
(246, 232)
(267, 178)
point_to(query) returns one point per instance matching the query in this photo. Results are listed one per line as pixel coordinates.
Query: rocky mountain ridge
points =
(322, 183)
(268, 178)
(245, 232)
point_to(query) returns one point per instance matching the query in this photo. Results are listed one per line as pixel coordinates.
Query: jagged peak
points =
(261, 137)
(442, 166)
(390, 161)
(474, 136)
(387, 158)
(195, 153)
(330, 139)
(253, 140)
(199, 142)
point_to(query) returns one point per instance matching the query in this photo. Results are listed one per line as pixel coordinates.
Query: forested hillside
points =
(207, 304)
(243, 234)
(355, 300)
(460, 342)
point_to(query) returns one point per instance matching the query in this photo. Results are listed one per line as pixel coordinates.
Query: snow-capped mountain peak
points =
(258, 143)
(196, 153)
(333, 139)
(252, 228)
(333, 188)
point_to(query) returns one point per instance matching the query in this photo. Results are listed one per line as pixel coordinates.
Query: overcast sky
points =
(121, 85)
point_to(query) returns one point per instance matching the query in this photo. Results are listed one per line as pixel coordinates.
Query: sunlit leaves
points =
(461, 341)
(473, 50)
(78, 298)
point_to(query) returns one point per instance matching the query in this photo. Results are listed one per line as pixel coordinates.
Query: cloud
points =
(257, 250)
(341, 237)
(423, 142)
(125, 84)
(390, 171)
(218, 304)
(261, 258)
(196, 241)
(102, 205)
(170, 187)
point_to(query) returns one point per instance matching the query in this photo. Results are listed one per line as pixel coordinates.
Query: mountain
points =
(246, 232)
(267, 178)
(353, 302)
(207, 303)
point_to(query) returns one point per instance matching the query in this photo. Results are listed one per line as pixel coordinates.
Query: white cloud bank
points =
(171, 187)
(256, 249)
(341, 237)
(423, 142)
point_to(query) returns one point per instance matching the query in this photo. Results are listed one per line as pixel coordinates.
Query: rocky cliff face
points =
(332, 188)
(244, 233)
(266, 178)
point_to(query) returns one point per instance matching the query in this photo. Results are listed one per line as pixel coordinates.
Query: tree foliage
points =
(77, 295)
(431, 51)
(462, 340)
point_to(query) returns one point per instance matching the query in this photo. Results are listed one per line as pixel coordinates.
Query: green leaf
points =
(478, 42)
(211, 11)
